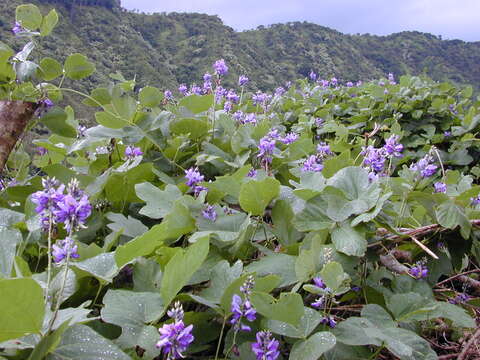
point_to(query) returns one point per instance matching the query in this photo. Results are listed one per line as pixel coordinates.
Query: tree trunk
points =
(14, 116)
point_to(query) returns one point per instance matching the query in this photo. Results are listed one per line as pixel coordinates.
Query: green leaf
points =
(78, 67)
(79, 342)
(49, 22)
(309, 321)
(195, 128)
(313, 347)
(256, 195)
(22, 307)
(349, 240)
(48, 343)
(282, 216)
(56, 120)
(221, 276)
(49, 69)
(102, 267)
(128, 226)
(29, 16)
(450, 215)
(181, 267)
(159, 202)
(335, 278)
(132, 311)
(288, 308)
(150, 96)
(282, 265)
(197, 104)
(110, 120)
(9, 239)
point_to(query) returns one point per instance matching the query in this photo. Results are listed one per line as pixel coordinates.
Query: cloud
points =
(451, 19)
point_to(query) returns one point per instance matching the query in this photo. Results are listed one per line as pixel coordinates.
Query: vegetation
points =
(325, 220)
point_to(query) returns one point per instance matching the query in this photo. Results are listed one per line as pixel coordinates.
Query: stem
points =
(241, 96)
(49, 257)
(220, 338)
(440, 161)
(234, 341)
(213, 121)
(379, 350)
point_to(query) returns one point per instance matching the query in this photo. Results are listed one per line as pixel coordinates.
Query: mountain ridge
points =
(169, 49)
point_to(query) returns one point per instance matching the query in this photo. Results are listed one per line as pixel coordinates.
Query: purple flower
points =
(475, 200)
(374, 158)
(266, 148)
(248, 285)
(259, 98)
(46, 103)
(73, 211)
(459, 299)
(207, 77)
(447, 133)
(232, 96)
(63, 249)
(82, 131)
(193, 177)
(392, 147)
(328, 320)
(227, 106)
(252, 173)
(359, 83)
(17, 28)
(168, 95)
(318, 281)
(183, 89)
(132, 152)
(349, 84)
(391, 79)
(207, 87)
(220, 67)
(319, 302)
(323, 150)
(175, 337)
(424, 166)
(41, 150)
(440, 187)
(220, 93)
(312, 76)
(289, 138)
(249, 119)
(334, 81)
(312, 164)
(243, 308)
(381, 83)
(243, 80)
(280, 91)
(195, 89)
(209, 213)
(266, 347)
(324, 83)
(419, 271)
(319, 122)
(176, 312)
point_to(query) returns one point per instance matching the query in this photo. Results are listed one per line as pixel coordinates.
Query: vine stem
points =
(234, 341)
(220, 338)
(49, 255)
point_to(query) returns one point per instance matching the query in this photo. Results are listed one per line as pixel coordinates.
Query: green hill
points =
(169, 49)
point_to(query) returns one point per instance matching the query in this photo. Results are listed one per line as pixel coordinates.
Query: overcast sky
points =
(453, 19)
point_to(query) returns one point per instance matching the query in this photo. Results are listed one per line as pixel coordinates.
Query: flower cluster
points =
(243, 308)
(193, 178)
(17, 28)
(266, 346)
(328, 320)
(419, 271)
(319, 303)
(175, 337)
(314, 163)
(220, 67)
(461, 298)
(375, 158)
(132, 152)
(475, 200)
(425, 166)
(63, 249)
(209, 213)
(440, 187)
(243, 80)
(71, 209)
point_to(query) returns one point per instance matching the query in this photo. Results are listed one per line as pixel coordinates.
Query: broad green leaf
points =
(49, 22)
(450, 215)
(335, 278)
(349, 240)
(150, 96)
(256, 195)
(282, 216)
(221, 276)
(29, 16)
(133, 311)
(128, 226)
(49, 69)
(80, 342)
(309, 321)
(22, 308)
(110, 120)
(56, 120)
(313, 347)
(159, 202)
(196, 128)
(78, 67)
(48, 343)
(197, 104)
(288, 308)
(9, 239)
(102, 266)
(282, 265)
(181, 267)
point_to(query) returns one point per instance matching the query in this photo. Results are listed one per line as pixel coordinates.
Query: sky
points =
(452, 19)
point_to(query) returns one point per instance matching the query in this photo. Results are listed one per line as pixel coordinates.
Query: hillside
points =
(169, 49)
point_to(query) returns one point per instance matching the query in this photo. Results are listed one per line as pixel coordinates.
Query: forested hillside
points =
(169, 49)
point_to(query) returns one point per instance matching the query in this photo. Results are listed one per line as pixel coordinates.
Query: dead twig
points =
(465, 351)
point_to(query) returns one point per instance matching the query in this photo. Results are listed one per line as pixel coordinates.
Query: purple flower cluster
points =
(168, 95)
(329, 320)
(461, 298)
(289, 138)
(252, 173)
(391, 79)
(175, 337)
(266, 347)
(132, 152)
(63, 249)
(183, 89)
(17, 28)
(314, 163)
(375, 158)
(266, 148)
(220, 67)
(280, 91)
(419, 271)
(475, 200)
(71, 209)
(313, 76)
(243, 80)
(243, 308)
(193, 178)
(424, 166)
(440, 187)
(209, 213)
